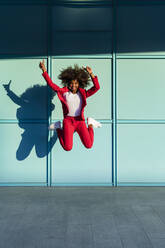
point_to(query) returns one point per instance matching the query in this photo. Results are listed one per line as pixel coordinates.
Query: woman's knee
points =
(67, 147)
(89, 145)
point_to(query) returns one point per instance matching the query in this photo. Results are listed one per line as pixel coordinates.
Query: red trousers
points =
(71, 125)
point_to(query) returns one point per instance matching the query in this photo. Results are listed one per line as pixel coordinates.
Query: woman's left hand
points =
(88, 69)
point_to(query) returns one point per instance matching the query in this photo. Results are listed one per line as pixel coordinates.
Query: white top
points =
(74, 102)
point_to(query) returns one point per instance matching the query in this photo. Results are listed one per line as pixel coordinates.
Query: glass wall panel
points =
(23, 30)
(73, 43)
(140, 88)
(82, 165)
(84, 30)
(82, 18)
(140, 155)
(23, 91)
(23, 153)
(140, 26)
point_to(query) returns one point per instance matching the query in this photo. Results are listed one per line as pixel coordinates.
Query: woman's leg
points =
(65, 135)
(86, 134)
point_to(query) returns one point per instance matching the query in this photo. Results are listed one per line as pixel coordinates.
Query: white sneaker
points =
(93, 122)
(55, 125)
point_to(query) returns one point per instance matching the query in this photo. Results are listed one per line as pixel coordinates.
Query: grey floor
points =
(82, 217)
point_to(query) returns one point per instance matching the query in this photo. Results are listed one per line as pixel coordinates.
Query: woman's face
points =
(73, 86)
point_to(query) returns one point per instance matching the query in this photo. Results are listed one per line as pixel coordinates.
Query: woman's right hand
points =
(42, 65)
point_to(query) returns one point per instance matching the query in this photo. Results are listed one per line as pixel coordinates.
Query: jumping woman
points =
(73, 98)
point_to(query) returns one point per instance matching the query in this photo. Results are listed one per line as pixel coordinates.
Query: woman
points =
(73, 98)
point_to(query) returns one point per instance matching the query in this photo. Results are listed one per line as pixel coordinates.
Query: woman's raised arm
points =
(96, 85)
(47, 78)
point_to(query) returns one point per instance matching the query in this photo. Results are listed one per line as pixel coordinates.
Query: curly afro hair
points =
(69, 74)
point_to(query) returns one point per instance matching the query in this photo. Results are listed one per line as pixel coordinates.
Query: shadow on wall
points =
(32, 106)
(87, 28)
